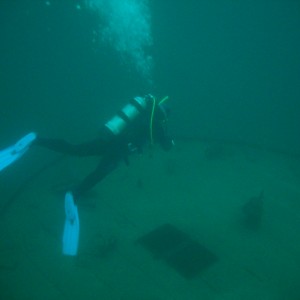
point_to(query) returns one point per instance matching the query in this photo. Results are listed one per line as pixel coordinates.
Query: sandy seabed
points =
(201, 188)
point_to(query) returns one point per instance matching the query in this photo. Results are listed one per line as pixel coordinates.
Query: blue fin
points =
(71, 229)
(13, 153)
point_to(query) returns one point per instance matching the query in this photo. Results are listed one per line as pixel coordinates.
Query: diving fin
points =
(71, 230)
(14, 152)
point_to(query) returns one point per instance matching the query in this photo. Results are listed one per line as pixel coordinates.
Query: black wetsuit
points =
(112, 148)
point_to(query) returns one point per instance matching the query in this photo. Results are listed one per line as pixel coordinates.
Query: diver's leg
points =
(91, 148)
(106, 166)
(72, 227)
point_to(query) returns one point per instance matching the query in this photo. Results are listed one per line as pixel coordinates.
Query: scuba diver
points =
(143, 120)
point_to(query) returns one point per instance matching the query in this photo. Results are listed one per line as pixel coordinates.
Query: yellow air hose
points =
(152, 116)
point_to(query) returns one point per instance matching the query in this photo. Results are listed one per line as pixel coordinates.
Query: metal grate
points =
(188, 257)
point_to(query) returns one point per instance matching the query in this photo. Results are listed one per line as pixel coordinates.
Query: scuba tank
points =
(128, 114)
(155, 113)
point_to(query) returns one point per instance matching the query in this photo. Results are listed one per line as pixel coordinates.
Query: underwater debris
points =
(253, 211)
(140, 183)
(103, 246)
(171, 167)
(217, 151)
(178, 250)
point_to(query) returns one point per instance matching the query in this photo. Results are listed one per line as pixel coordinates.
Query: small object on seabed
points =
(217, 151)
(253, 211)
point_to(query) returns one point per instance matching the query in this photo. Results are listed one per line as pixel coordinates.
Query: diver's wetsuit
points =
(113, 148)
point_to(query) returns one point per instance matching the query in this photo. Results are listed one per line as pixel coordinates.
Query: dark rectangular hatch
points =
(187, 256)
